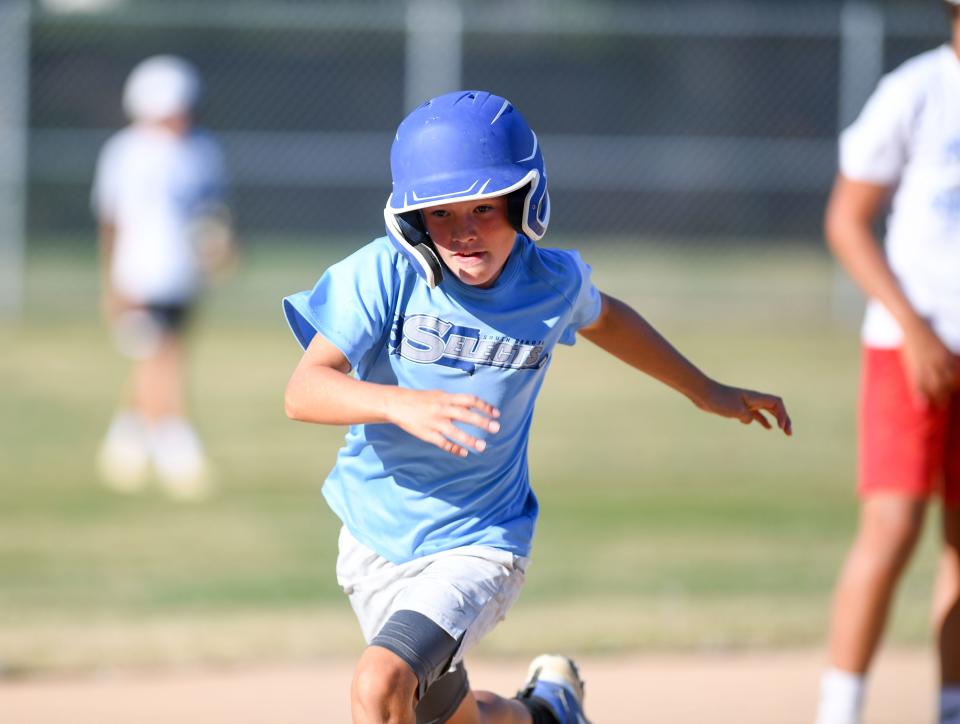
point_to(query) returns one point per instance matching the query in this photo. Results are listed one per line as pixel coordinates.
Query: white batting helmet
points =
(161, 87)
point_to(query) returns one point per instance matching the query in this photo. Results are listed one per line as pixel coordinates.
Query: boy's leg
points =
(158, 380)
(485, 707)
(901, 454)
(176, 449)
(406, 672)
(154, 335)
(947, 598)
(552, 694)
(384, 689)
(947, 617)
(889, 528)
(399, 607)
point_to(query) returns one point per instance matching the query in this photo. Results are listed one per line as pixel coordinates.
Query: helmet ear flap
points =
(415, 232)
(412, 226)
(515, 203)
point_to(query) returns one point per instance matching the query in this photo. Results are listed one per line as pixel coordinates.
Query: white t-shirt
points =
(153, 185)
(908, 137)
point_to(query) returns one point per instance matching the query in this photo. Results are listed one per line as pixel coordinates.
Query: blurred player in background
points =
(905, 146)
(448, 325)
(159, 198)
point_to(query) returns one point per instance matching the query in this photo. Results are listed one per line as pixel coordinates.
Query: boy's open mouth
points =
(468, 257)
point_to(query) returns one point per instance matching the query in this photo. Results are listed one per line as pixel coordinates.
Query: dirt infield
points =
(750, 688)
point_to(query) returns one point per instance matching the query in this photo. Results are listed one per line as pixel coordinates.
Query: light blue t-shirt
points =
(396, 494)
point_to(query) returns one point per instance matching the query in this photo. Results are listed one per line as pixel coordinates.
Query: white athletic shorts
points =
(466, 591)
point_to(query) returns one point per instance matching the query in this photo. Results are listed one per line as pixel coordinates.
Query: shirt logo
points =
(428, 340)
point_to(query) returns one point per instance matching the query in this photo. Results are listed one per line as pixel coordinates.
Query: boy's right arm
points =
(851, 211)
(110, 303)
(322, 391)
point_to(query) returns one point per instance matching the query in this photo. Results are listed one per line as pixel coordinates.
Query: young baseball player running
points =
(158, 197)
(448, 325)
(905, 144)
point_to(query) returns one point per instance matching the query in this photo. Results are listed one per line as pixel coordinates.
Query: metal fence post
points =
(861, 65)
(434, 52)
(14, 51)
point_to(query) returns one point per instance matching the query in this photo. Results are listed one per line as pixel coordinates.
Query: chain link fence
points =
(675, 120)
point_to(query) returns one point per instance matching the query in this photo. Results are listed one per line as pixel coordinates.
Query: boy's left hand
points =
(746, 405)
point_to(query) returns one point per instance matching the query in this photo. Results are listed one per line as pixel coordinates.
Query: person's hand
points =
(430, 414)
(933, 370)
(746, 405)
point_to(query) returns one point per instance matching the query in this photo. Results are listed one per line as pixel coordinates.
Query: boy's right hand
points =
(430, 414)
(933, 369)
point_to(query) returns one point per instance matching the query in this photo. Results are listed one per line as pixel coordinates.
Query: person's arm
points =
(622, 332)
(110, 302)
(215, 242)
(848, 224)
(322, 391)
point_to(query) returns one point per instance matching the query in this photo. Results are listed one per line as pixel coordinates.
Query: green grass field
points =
(661, 527)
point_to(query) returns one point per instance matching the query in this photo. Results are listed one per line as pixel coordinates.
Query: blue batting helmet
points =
(463, 146)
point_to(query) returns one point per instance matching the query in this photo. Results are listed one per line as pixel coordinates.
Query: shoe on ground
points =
(123, 468)
(123, 460)
(179, 462)
(556, 681)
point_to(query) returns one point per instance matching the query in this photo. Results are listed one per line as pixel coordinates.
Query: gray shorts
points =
(466, 592)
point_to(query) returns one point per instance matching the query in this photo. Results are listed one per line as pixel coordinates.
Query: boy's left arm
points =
(622, 332)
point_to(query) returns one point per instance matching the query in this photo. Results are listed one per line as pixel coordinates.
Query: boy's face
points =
(473, 238)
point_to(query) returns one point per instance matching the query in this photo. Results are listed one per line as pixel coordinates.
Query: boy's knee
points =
(384, 686)
(897, 522)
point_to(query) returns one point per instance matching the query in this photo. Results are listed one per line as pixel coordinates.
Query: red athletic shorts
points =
(904, 448)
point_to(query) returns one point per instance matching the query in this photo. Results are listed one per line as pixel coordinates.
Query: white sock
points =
(123, 457)
(175, 446)
(841, 697)
(950, 704)
(178, 458)
(127, 426)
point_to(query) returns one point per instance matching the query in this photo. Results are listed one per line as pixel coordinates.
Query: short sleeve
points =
(585, 301)
(875, 148)
(350, 306)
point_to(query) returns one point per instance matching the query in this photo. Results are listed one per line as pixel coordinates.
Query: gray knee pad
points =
(425, 647)
(443, 698)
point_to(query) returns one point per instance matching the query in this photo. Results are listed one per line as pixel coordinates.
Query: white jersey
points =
(152, 185)
(908, 137)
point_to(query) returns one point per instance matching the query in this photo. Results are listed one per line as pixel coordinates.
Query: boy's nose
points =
(465, 230)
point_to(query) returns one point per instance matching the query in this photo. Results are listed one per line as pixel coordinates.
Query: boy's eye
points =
(439, 213)
(484, 208)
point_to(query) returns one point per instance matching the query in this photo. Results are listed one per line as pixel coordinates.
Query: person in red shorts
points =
(902, 151)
